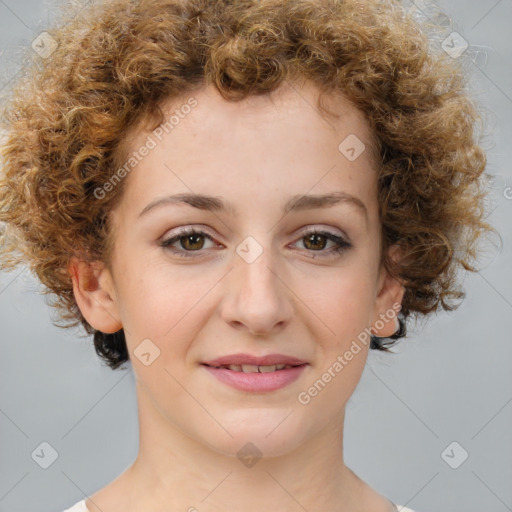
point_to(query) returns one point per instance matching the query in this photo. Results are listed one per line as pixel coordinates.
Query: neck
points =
(174, 471)
(179, 472)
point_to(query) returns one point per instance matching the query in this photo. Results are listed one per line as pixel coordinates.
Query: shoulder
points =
(79, 507)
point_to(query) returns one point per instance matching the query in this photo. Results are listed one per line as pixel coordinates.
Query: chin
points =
(261, 434)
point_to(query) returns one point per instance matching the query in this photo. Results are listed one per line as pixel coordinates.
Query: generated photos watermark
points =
(151, 142)
(362, 339)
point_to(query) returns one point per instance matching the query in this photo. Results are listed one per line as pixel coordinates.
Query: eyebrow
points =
(295, 203)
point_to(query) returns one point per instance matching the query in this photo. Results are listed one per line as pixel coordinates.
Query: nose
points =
(257, 297)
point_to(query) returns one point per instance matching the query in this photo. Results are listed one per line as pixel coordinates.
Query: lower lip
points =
(257, 382)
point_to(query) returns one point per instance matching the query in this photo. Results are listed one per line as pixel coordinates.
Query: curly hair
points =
(117, 61)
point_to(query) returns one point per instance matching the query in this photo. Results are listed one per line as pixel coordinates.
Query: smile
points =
(251, 368)
(256, 379)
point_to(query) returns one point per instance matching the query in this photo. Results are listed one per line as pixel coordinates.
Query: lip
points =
(268, 360)
(257, 382)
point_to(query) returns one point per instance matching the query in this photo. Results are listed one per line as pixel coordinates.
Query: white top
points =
(80, 507)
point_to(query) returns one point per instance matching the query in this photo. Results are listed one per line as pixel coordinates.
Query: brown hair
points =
(116, 62)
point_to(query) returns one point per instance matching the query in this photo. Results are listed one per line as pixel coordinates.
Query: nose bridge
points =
(258, 297)
(259, 276)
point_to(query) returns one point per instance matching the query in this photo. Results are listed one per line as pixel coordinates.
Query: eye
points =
(190, 239)
(193, 240)
(315, 240)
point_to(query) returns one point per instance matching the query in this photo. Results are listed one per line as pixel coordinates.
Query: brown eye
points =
(192, 242)
(189, 240)
(315, 241)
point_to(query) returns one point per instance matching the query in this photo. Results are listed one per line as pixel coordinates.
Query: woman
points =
(242, 198)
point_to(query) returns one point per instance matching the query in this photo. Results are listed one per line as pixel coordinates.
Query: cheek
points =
(167, 305)
(342, 347)
(343, 303)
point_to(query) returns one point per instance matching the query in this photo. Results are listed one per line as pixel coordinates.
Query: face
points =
(246, 273)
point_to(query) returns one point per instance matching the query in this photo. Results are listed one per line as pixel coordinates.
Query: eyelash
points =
(343, 244)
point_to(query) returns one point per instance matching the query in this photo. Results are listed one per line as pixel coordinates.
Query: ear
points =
(390, 292)
(95, 294)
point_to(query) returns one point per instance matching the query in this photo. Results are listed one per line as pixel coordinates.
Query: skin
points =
(254, 154)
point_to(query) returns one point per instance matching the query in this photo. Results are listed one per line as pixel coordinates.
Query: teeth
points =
(271, 368)
(251, 368)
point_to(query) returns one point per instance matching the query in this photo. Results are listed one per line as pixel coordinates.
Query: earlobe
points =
(95, 295)
(388, 302)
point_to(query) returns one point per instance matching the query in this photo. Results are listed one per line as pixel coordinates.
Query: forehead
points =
(206, 113)
(254, 151)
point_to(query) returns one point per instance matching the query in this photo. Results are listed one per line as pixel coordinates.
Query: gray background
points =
(451, 380)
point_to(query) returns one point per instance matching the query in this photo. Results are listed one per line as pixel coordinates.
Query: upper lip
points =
(243, 359)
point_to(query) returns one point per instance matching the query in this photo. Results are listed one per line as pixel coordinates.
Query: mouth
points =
(251, 368)
(256, 378)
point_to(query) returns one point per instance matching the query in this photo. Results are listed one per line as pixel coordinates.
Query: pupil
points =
(190, 240)
(316, 237)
